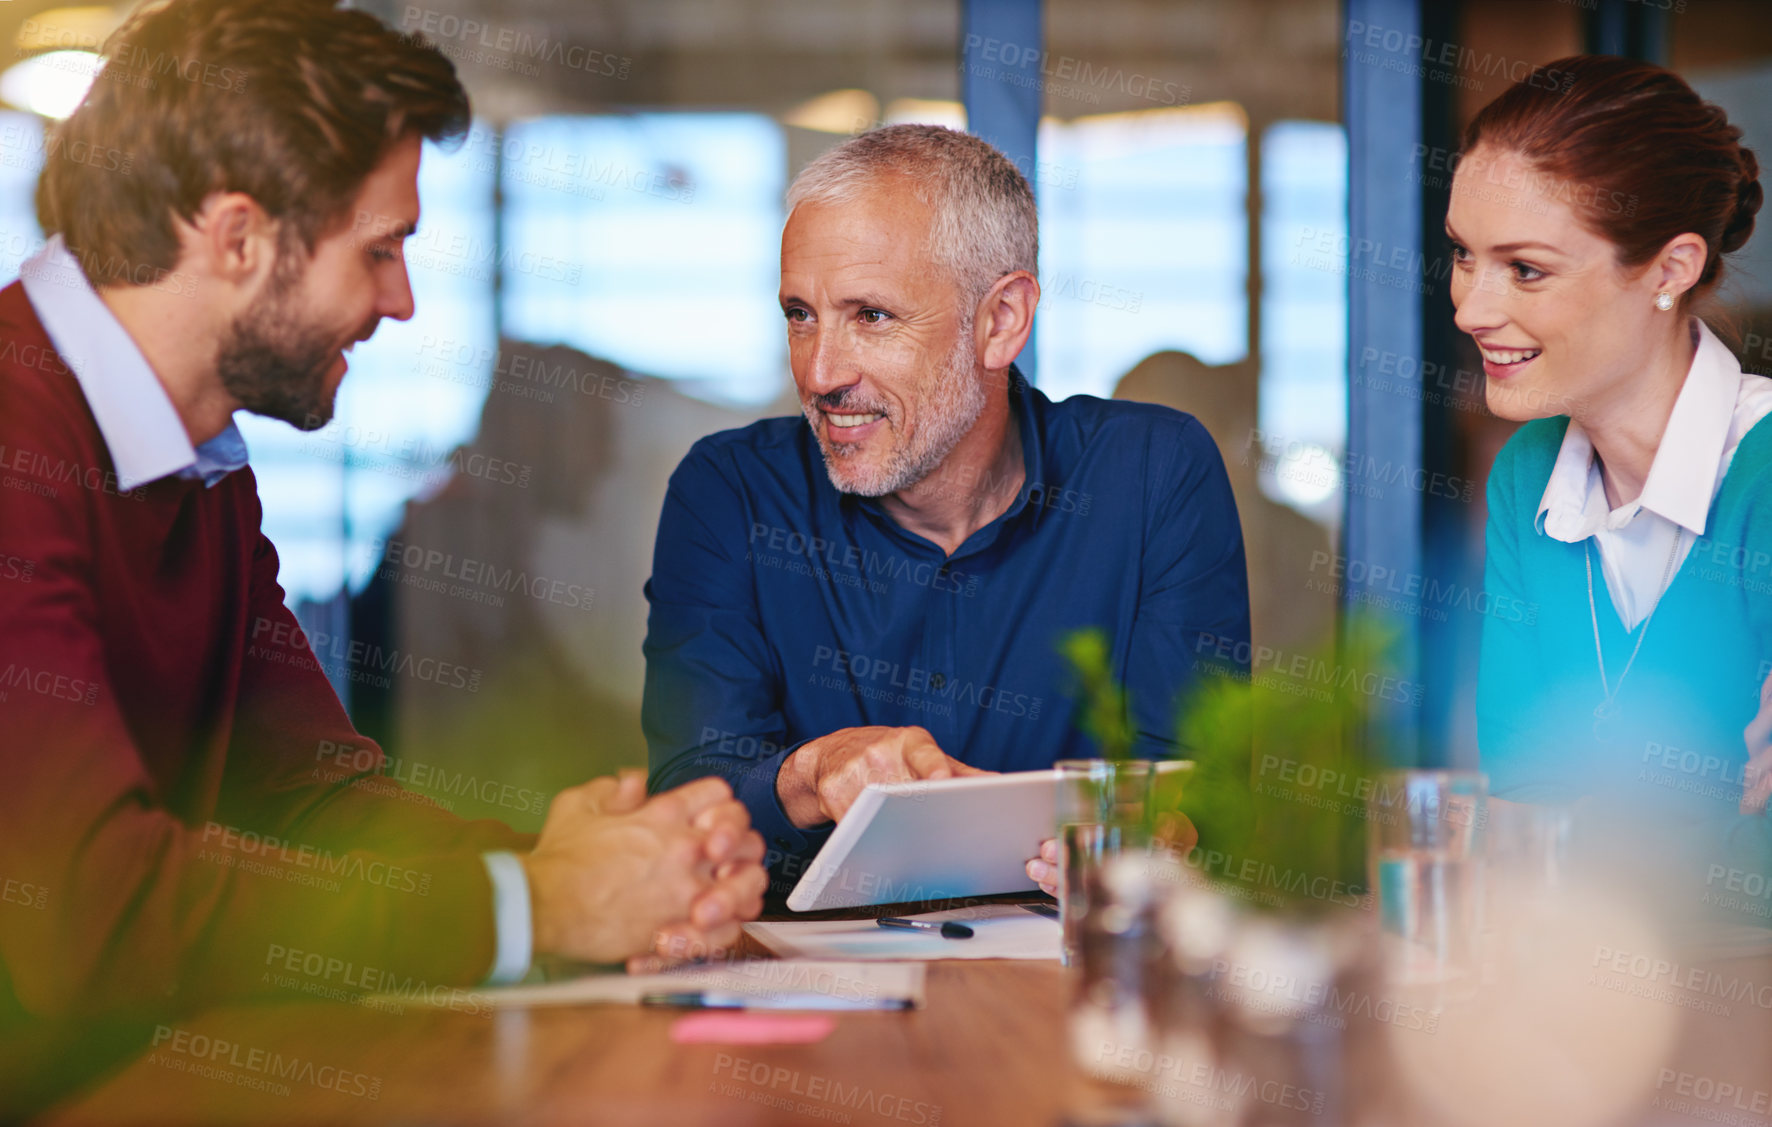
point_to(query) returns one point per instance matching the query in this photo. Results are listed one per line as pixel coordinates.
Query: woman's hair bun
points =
(1748, 197)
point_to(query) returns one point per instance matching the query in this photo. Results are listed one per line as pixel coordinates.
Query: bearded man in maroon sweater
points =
(175, 828)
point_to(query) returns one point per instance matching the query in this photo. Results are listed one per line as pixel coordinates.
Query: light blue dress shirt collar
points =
(135, 415)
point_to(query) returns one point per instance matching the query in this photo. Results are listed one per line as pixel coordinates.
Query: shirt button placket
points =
(947, 665)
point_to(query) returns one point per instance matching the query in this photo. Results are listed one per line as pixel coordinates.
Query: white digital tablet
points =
(933, 839)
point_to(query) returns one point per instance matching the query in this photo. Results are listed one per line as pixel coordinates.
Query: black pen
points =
(948, 930)
(718, 1000)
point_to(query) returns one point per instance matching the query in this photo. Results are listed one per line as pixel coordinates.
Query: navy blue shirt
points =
(783, 610)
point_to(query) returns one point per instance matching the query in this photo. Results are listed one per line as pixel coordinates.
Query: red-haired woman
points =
(1632, 514)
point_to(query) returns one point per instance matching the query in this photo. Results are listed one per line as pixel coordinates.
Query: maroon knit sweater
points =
(174, 816)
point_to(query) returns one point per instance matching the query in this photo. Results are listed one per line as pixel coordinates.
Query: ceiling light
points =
(840, 111)
(66, 29)
(51, 84)
(926, 111)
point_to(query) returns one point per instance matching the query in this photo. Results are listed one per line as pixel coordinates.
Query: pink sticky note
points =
(751, 1029)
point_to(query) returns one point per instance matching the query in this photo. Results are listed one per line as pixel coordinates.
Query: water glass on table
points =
(1528, 880)
(1103, 809)
(1427, 839)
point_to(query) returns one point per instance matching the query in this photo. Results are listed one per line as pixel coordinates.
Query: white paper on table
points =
(999, 931)
(807, 980)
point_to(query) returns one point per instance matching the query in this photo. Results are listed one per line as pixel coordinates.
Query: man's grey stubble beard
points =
(946, 416)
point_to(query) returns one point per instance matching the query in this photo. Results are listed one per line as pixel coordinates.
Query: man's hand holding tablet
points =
(821, 780)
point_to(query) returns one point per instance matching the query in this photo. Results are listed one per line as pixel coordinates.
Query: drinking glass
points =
(1527, 879)
(1528, 853)
(1427, 850)
(1122, 970)
(1103, 809)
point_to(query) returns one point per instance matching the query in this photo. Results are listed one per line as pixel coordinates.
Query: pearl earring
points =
(1664, 301)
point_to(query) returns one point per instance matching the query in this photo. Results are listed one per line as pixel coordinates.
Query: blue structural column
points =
(1383, 527)
(1002, 56)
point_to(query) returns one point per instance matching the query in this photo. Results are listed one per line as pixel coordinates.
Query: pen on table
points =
(715, 1000)
(1041, 908)
(948, 930)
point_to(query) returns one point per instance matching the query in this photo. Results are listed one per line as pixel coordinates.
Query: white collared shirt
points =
(147, 441)
(136, 418)
(1717, 405)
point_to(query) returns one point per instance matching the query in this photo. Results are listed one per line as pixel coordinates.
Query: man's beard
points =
(275, 364)
(944, 411)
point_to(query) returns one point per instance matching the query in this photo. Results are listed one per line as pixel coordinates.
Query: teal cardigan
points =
(1674, 752)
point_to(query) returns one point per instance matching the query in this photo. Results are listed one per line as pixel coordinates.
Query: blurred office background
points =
(596, 273)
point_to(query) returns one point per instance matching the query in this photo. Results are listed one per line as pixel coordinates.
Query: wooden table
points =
(986, 1049)
(989, 1048)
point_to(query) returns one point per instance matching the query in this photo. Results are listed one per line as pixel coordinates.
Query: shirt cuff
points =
(755, 787)
(511, 919)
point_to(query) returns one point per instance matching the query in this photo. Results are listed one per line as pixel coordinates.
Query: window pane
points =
(1143, 243)
(652, 240)
(1304, 314)
(412, 396)
(21, 158)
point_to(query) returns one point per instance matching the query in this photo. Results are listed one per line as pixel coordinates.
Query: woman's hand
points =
(1173, 831)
